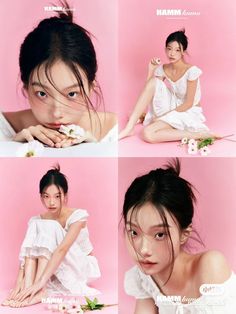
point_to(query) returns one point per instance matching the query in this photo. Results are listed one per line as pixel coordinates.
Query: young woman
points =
(56, 254)
(158, 212)
(58, 68)
(175, 94)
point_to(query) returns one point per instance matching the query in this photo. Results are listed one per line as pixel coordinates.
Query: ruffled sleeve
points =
(159, 71)
(77, 215)
(194, 73)
(33, 219)
(6, 130)
(133, 284)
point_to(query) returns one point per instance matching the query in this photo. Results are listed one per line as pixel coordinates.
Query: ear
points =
(66, 198)
(185, 234)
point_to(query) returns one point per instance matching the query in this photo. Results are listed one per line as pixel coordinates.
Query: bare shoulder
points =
(145, 306)
(212, 267)
(20, 119)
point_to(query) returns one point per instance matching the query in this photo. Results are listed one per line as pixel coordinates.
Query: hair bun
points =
(56, 168)
(173, 167)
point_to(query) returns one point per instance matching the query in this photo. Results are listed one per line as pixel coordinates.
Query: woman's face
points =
(60, 103)
(174, 51)
(53, 198)
(147, 240)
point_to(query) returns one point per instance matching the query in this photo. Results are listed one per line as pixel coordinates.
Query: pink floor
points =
(107, 297)
(134, 147)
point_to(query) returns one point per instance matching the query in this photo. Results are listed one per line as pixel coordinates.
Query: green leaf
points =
(206, 142)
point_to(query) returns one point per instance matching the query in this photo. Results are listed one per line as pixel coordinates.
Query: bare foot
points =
(36, 299)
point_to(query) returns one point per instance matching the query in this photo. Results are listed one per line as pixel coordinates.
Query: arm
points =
(57, 257)
(143, 101)
(144, 306)
(153, 64)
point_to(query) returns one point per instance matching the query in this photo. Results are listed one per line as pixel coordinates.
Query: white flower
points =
(30, 149)
(158, 60)
(184, 141)
(62, 307)
(192, 150)
(72, 130)
(192, 142)
(204, 151)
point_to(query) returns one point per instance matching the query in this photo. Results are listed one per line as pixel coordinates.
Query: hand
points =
(46, 136)
(31, 291)
(69, 141)
(126, 132)
(153, 64)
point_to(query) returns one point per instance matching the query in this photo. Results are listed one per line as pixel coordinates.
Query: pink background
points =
(99, 17)
(92, 186)
(215, 181)
(212, 47)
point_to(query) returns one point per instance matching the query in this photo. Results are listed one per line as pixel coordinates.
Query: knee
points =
(147, 135)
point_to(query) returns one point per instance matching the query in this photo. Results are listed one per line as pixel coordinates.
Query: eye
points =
(72, 94)
(132, 233)
(160, 236)
(41, 94)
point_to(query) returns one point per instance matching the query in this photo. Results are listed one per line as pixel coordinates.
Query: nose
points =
(51, 201)
(57, 110)
(146, 247)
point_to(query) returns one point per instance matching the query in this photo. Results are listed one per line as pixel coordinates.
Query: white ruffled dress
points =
(77, 268)
(169, 95)
(142, 286)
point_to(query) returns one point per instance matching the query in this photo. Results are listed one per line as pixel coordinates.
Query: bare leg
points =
(160, 131)
(17, 289)
(30, 271)
(30, 268)
(41, 265)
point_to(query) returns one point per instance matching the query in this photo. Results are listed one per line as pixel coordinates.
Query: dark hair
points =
(59, 38)
(54, 176)
(166, 190)
(180, 37)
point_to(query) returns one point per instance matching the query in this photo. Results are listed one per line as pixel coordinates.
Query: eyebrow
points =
(59, 193)
(47, 87)
(161, 225)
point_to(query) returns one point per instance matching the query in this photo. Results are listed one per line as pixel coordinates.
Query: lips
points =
(146, 263)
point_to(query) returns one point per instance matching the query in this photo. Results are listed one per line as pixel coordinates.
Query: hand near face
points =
(45, 135)
(153, 64)
(68, 141)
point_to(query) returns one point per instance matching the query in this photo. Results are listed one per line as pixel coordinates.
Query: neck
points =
(179, 275)
(177, 65)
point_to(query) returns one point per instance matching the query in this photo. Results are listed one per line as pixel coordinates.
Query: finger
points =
(67, 143)
(31, 296)
(43, 138)
(27, 135)
(24, 294)
(54, 135)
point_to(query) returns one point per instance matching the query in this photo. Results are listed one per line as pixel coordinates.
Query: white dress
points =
(169, 95)
(77, 268)
(7, 132)
(142, 286)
